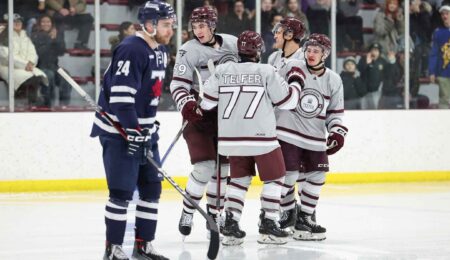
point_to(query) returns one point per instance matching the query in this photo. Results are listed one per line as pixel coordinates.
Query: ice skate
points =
(270, 232)
(233, 235)
(306, 229)
(143, 250)
(219, 221)
(114, 252)
(185, 224)
(288, 218)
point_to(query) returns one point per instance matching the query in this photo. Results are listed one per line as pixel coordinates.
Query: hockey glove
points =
(296, 75)
(139, 143)
(336, 139)
(190, 109)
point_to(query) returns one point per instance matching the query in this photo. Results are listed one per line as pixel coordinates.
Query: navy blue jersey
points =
(132, 86)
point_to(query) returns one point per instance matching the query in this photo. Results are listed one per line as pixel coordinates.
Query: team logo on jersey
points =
(226, 58)
(182, 52)
(311, 103)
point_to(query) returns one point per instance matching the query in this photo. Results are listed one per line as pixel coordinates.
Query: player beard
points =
(164, 40)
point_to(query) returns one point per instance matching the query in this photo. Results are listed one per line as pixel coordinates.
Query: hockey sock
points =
(197, 181)
(211, 190)
(311, 191)
(115, 220)
(270, 198)
(235, 196)
(300, 184)
(288, 191)
(146, 219)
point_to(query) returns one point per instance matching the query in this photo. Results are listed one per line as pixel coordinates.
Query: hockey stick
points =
(214, 243)
(212, 70)
(180, 132)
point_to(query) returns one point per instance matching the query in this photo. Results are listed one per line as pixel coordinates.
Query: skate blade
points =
(271, 239)
(308, 236)
(232, 241)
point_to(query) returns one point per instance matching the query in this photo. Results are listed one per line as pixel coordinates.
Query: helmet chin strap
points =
(317, 67)
(146, 32)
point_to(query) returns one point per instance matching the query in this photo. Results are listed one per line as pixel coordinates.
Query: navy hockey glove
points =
(139, 143)
(190, 109)
(336, 139)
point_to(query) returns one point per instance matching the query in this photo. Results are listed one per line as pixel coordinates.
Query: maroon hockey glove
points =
(336, 139)
(191, 112)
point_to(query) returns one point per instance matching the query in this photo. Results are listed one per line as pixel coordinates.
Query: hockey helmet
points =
(205, 14)
(320, 40)
(250, 44)
(291, 25)
(155, 10)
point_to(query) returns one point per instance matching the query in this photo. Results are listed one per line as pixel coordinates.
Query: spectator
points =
(349, 26)
(389, 26)
(393, 84)
(125, 29)
(319, 17)
(30, 11)
(49, 43)
(236, 21)
(185, 36)
(371, 69)
(293, 10)
(267, 12)
(27, 78)
(72, 13)
(420, 32)
(268, 38)
(354, 88)
(439, 69)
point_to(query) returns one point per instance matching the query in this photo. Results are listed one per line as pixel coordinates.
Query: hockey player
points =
(130, 96)
(303, 133)
(201, 131)
(288, 35)
(245, 94)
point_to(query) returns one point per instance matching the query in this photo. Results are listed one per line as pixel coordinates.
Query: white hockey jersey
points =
(321, 107)
(193, 55)
(245, 94)
(276, 59)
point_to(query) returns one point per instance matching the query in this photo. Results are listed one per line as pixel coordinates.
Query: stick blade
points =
(214, 244)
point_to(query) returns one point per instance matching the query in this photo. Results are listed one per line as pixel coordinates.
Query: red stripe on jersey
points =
(270, 200)
(238, 186)
(183, 80)
(247, 138)
(326, 97)
(210, 97)
(335, 111)
(236, 201)
(321, 117)
(300, 134)
(284, 99)
(341, 126)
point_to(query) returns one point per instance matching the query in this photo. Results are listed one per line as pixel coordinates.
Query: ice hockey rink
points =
(363, 221)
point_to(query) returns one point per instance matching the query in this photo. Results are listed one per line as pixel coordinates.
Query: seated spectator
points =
(237, 21)
(354, 88)
(389, 26)
(293, 10)
(371, 69)
(125, 29)
(49, 43)
(393, 84)
(72, 13)
(349, 26)
(27, 78)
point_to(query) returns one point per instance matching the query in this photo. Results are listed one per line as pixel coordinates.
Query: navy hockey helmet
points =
(291, 25)
(250, 44)
(155, 10)
(320, 40)
(205, 14)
